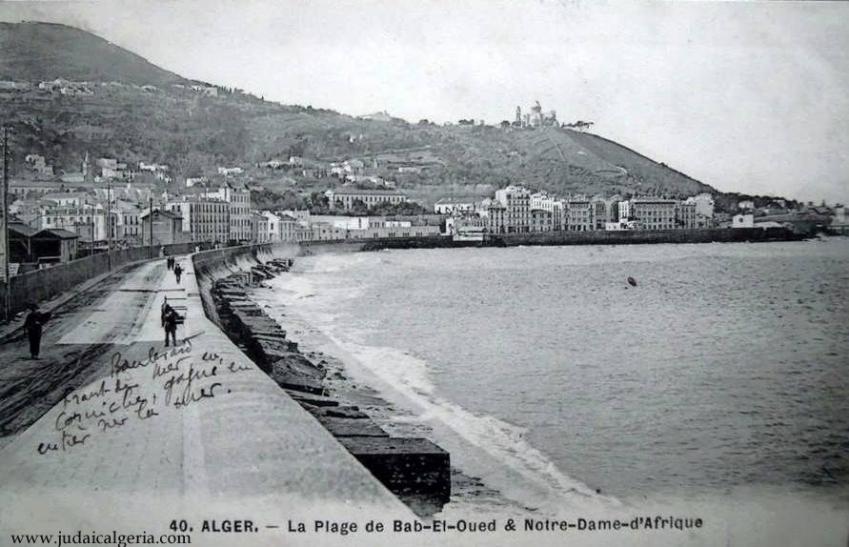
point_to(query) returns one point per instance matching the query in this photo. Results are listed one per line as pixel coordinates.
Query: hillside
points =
(36, 52)
(195, 132)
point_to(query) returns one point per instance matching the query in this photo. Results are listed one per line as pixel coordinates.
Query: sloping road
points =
(120, 310)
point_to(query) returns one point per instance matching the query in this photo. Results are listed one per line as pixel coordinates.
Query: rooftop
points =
(55, 233)
(359, 192)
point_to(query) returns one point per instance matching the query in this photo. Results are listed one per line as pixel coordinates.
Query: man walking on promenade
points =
(178, 271)
(165, 307)
(169, 322)
(33, 324)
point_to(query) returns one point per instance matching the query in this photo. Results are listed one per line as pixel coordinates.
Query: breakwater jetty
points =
(414, 469)
(597, 237)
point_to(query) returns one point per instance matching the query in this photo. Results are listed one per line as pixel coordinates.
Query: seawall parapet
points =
(414, 469)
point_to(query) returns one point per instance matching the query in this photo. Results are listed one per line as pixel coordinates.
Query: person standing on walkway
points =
(170, 322)
(178, 271)
(33, 325)
(165, 307)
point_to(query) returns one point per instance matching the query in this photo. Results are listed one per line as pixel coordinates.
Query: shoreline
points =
(509, 477)
(469, 494)
(294, 321)
(412, 467)
(355, 349)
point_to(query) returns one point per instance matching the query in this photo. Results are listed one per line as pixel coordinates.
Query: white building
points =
(704, 204)
(227, 171)
(239, 199)
(347, 197)
(448, 206)
(273, 225)
(516, 201)
(742, 220)
(343, 222)
(68, 199)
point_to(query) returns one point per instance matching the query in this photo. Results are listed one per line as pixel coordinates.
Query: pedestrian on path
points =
(165, 307)
(33, 325)
(170, 322)
(178, 271)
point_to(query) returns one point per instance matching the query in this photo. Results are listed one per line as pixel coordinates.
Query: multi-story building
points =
(345, 198)
(259, 228)
(654, 213)
(290, 228)
(345, 222)
(685, 215)
(68, 199)
(447, 206)
(238, 198)
(87, 220)
(496, 216)
(32, 189)
(167, 228)
(273, 226)
(128, 221)
(704, 209)
(624, 210)
(203, 218)
(517, 203)
(542, 220)
(579, 215)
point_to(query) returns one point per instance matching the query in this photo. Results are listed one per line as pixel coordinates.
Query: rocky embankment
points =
(414, 469)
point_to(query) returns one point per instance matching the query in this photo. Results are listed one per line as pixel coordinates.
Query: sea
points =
(720, 374)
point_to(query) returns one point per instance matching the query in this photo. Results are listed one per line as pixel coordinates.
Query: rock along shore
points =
(414, 469)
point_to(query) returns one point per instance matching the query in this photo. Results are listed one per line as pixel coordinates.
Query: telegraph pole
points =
(150, 218)
(109, 223)
(6, 280)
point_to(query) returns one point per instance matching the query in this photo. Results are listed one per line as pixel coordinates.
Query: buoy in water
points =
(632, 281)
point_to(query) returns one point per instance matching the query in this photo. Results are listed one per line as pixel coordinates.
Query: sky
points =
(745, 96)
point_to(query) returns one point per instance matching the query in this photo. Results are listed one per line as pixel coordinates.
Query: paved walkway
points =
(192, 428)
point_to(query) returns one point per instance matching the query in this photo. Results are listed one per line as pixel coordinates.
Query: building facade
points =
(517, 208)
(203, 218)
(579, 215)
(346, 198)
(166, 228)
(654, 213)
(238, 198)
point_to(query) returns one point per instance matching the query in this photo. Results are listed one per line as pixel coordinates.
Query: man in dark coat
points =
(33, 324)
(178, 271)
(170, 323)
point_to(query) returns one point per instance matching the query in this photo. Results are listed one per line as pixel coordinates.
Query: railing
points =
(44, 284)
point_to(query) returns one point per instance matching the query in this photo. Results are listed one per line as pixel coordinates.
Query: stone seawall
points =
(414, 469)
(597, 237)
(634, 237)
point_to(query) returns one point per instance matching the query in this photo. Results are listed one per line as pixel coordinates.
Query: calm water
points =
(727, 365)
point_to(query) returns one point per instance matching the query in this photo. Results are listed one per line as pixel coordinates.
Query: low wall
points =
(40, 285)
(219, 263)
(721, 235)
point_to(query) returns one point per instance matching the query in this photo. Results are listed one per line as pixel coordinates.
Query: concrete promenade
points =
(134, 434)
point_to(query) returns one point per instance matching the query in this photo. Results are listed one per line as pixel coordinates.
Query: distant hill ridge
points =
(35, 52)
(194, 132)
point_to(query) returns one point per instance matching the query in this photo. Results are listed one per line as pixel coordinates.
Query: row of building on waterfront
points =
(91, 219)
(516, 209)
